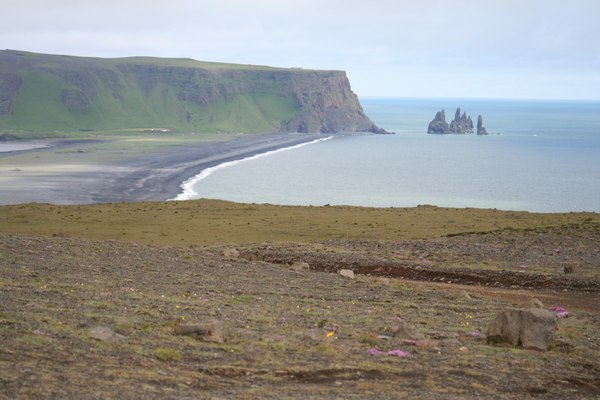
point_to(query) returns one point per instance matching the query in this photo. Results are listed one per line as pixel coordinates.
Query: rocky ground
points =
(84, 318)
(508, 258)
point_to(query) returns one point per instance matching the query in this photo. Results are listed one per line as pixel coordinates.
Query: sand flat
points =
(125, 169)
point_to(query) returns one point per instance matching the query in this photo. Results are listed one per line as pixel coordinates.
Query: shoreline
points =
(46, 175)
(187, 192)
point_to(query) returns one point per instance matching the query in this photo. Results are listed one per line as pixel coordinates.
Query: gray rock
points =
(463, 295)
(300, 266)
(105, 334)
(532, 328)
(533, 303)
(231, 253)
(480, 129)
(462, 123)
(348, 273)
(439, 124)
(568, 268)
(208, 332)
(405, 330)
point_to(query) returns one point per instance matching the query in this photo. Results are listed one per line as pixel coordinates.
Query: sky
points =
(522, 49)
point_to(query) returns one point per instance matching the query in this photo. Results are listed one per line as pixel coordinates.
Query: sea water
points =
(541, 156)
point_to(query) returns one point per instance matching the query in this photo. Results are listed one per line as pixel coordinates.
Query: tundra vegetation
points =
(210, 299)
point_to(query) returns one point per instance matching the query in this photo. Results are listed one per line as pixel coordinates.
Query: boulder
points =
(105, 334)
(348, 273)
(531, 328)
(208, 332)
(231, 253)
(300, 266)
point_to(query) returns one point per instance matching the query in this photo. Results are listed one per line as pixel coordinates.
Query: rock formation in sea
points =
(480, 128)
(438, 124)
(462, 123)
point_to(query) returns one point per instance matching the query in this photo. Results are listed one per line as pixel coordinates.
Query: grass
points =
(210, 222)
(167, 354)
(60, 61)
(141, 93)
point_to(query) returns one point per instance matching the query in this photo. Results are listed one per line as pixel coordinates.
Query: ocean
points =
(540, 156)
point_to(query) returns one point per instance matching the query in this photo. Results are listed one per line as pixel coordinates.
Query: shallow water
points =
(540, 156)
(20, 146)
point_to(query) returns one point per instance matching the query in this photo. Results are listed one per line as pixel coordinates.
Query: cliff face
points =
(327, 105)
(60, 93)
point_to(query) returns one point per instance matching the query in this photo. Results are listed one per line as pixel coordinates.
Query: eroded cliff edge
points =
(53, 93)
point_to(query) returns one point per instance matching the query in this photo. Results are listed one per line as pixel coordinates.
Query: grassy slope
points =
(296, 335)
(206, 222)
(39, 112)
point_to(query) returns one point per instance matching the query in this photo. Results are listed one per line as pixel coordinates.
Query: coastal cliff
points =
(52, 94)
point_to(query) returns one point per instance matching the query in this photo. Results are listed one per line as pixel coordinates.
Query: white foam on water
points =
(187, 187)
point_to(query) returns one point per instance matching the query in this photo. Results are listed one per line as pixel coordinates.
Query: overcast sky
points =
(419, 48)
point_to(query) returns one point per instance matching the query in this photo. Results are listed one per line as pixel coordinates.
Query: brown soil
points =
(532, 259)
(296, 334)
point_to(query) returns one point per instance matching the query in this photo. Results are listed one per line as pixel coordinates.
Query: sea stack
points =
(460, 124)
(480, 128)
(438, 124)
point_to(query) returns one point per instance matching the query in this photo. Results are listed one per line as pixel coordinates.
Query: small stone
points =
(208, 332)
(407, 331)
(420, 343)
(568, 268)
(299, 266)
(383, 280)
(563, 345)
(318, 335)
(84, 323)
(105, 334)
(533, 303)
(231, 253)
(348, 273)
(463, 295)
(451, 343)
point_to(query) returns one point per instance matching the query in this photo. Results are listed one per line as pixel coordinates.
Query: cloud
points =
(382, 40)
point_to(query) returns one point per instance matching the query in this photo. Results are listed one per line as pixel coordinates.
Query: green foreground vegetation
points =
(214, 222)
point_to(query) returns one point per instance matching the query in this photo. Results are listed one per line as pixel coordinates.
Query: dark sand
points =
(44, 175)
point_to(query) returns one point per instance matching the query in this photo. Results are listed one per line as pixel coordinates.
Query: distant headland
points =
(462, 123)
(45, 95)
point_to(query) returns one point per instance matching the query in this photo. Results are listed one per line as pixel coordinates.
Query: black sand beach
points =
(64, 174)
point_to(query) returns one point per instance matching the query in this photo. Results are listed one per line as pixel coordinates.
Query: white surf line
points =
(188, 192)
